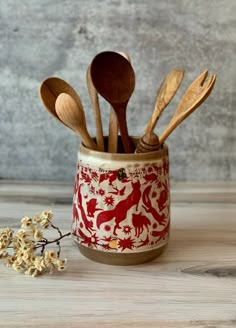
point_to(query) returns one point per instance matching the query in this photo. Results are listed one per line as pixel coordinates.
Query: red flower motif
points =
(127, 229)
(109, 201)
(101, 192)
(94, 239)
(126, 243)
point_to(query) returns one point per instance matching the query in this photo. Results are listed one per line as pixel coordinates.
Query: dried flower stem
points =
(26, 242)
(43, 243)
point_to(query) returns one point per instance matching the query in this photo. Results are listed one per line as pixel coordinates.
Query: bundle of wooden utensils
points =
(111, 75)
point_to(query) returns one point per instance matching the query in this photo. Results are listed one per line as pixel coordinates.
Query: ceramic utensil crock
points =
(121, 205)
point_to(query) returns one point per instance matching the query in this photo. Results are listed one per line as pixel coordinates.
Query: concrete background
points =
(46, 38)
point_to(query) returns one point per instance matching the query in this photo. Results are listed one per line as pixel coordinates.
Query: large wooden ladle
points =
(113, 121)
(114, 79)
(195, 95)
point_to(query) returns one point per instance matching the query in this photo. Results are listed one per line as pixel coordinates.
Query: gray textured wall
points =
(46, 38)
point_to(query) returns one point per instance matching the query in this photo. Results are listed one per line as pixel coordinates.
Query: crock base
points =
(121, 259)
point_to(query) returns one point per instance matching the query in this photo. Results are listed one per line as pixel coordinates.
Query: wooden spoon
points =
(195, 95)
(114, 79)
(73, 116)
(95, 102)
(113, 122)
(166, 92)
(50, 90)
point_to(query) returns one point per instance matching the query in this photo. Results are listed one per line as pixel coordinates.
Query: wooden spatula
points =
(149, 141)
(166, 92)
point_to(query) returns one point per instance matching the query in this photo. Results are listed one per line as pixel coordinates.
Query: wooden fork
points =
(195, 95)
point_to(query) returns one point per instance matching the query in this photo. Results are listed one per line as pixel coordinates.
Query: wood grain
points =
(192, 285)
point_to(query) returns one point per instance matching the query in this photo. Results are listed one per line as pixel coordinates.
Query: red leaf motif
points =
(127, 229)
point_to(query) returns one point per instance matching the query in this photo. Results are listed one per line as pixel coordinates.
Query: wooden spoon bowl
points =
(73, 116)
(50, 89)
(114, 79)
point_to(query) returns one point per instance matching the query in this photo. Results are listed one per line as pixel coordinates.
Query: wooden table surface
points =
(193, 284)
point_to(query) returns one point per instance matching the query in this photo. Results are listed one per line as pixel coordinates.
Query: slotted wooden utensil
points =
(195, 95)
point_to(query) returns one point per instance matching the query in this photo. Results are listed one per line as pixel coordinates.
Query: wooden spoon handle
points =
(121, 115)
(113, 132)
(171, 126)
(86, 138)
(95, 102)
(148, 142)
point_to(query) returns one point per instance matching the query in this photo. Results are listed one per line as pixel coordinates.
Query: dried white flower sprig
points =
(27, 252)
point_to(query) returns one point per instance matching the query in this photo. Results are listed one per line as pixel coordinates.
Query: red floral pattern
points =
(122, 213)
